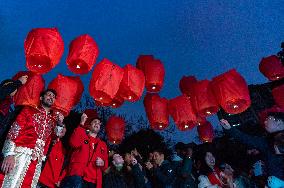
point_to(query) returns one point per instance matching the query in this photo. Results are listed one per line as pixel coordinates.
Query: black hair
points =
(200, 155)
(48, 90)
(10, 85)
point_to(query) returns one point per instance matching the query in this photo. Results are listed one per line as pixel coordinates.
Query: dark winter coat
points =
(114, 179)
(163, 176)
(275, 163)
(184, 177)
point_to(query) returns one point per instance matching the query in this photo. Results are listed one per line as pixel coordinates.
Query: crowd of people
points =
(35, 155)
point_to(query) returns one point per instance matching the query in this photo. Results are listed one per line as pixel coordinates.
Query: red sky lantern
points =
(231, 92)
(105, 81)
(278, 95)
(79, 90)
(142, 59)
(115, 128)
(205, 132)
(272, 68)
(29, 94)
(157, 111)
(69, 91)
(186, 85)
(154, 72)
(203, 99)
(83, 53)
(43, 49)
(181, 110)
(132, 85)
(115, 103)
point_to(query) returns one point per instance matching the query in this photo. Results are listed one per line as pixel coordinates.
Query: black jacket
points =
(114, 179)
(163, 176)
(275, 163)
(183, 173)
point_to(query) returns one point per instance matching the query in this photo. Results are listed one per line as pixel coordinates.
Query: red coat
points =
(84, 155)
(30, 135)
(215, 177)
(53, 166)
(32, 124)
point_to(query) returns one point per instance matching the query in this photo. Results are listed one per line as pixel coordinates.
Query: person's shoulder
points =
(102, 143)
(167, 164)
(29, 109)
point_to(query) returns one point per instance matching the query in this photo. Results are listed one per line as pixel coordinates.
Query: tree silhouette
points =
(134, 123)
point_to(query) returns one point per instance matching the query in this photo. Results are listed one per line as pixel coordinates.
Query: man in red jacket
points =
(89, 156)
(51, 173)
(27, 143)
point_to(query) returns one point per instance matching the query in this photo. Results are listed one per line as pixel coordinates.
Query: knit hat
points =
(179, 146)
(10, 85)
(264, 114)
(92, 114)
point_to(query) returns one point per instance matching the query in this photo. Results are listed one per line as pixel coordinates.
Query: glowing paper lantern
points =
(231, 92)
(115, 128)
(105, 81)
(115, 103)
(157, 111)
(278, 95)
(29, 93)
(132, 85)
(43, 49)
(272, 68)
(154, 72)
(181, 110)
(142, 59)
(69, 91)
(186, 85)
(203, 99)
(205, 131)
(79, 90)
(83, 53)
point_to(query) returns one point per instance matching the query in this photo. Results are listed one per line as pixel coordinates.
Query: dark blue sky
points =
(201, 38)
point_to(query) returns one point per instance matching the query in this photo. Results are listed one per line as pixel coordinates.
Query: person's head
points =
(279, 143)
(179, 147)
(274, 122)
(95, 126)
(117, 160)
(158, 157)
(11, 86)
(252, 151)
(188, 149)
(47, 97)
(60, 130)
(93, 121)
(227, 169)
(127, 158)
(209, 159)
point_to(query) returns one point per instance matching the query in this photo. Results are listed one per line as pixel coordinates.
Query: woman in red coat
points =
(51, 174)
(89, 156)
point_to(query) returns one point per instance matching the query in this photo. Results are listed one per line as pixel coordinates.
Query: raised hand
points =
(84, 118)
(225, 124)
(100, 162)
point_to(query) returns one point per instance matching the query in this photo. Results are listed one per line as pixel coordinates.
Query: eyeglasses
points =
(270, 118)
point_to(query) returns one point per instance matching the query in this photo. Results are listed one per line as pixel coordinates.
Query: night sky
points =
(201, 38)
